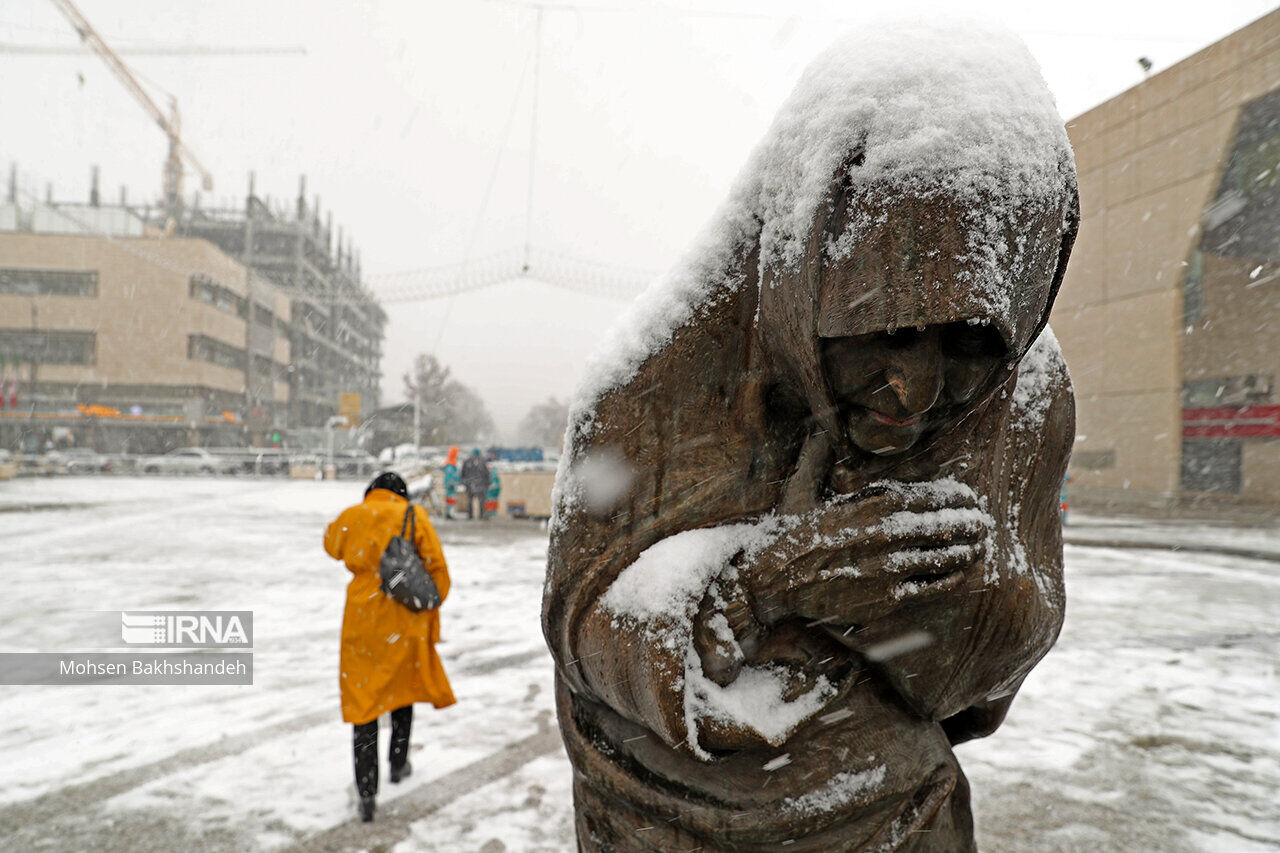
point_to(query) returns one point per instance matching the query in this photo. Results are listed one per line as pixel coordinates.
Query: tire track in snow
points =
(73, 799)
(76, 798)
(391, 825)
(137, 513)
(1189, 548)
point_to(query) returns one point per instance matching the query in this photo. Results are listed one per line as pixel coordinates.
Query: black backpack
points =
(404, 578)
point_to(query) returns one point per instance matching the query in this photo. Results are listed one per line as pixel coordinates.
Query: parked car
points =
(80, 460)
(255, 460)
(188, 460)
(31, 464)
(269, 460)
(354, 463)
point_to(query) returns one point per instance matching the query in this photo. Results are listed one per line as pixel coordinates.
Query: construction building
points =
(1169, 312)
(126, 331)
(338, 326)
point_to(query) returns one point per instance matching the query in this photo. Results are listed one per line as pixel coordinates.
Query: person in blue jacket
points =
(493, 492)
(451, 483)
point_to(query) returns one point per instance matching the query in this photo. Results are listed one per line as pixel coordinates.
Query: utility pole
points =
(417, 421)
(35, 354)
(329, 426)
(35, 360)
(251, 398)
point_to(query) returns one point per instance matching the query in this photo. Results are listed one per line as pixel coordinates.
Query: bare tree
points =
(451, 411)
(545, 423)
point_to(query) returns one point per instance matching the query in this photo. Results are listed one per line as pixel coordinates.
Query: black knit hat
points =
(390, 481)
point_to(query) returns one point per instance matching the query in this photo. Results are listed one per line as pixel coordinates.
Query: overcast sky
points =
(412, 122)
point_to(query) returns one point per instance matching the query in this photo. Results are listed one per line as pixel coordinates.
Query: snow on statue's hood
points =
(932, 111)
(956, 117)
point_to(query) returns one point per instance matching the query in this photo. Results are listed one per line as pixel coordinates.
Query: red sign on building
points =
(1231, 422)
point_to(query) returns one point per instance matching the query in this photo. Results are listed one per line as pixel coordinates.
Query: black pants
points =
(475, 504)
(365, 742)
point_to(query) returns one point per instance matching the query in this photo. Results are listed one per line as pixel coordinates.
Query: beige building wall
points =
(1261, 470)
(1149, 162)
(1239, 334)
(143, 313)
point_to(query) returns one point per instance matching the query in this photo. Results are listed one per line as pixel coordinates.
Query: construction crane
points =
(171, 124)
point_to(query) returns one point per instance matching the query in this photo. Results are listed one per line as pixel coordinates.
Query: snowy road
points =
(1153, 725)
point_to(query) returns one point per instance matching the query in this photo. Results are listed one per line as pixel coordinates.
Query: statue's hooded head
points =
(906, 219)
(916, 204)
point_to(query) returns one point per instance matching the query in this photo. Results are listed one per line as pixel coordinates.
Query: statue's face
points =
(891, 388)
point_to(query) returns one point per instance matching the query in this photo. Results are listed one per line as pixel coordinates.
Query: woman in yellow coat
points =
(388, 659)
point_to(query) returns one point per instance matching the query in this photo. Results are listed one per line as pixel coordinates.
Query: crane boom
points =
(171, 124)
(211, 50)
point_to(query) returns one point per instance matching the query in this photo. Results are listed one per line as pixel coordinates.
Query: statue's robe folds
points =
(712, 429)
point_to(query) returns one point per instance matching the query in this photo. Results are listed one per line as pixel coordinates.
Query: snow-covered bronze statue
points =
(806, 533)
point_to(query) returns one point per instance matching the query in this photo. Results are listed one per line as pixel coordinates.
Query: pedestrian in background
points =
(388, 659)
(475, 477)
(494, 491)
(451, 481)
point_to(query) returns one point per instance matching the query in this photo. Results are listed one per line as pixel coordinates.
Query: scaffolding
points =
(336, 324)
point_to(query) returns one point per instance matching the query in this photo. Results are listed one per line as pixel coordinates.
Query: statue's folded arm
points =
(985, 636)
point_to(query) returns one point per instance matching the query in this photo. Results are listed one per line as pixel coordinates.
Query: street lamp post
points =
(35, 345)
(417, 423)
(35, 361)
(330, 425)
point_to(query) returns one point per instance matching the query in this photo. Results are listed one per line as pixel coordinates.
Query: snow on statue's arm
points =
(979, 643)
(664, 597)
(634, 651)
(649, 517)
(629, 660)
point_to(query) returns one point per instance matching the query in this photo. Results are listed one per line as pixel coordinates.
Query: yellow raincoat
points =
(388, 656)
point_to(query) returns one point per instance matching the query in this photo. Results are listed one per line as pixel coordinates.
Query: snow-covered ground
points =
(1153, 725)
(1260, 540)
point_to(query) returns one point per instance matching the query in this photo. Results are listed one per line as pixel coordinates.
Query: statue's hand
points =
(860, 556)
(725, 632)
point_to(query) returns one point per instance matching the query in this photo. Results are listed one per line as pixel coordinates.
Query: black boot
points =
(401, 726)
(365, 741)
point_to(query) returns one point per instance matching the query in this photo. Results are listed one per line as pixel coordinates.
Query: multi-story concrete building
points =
(139, 344)
(1170, 311)
(133, 334)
